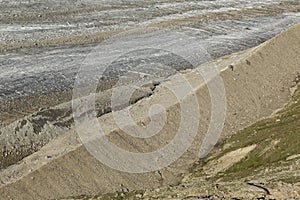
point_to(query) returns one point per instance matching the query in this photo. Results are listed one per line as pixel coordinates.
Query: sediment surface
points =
(258, 81)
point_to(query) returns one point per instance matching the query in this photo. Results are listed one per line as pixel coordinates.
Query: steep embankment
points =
(257, 82)
(259, 162)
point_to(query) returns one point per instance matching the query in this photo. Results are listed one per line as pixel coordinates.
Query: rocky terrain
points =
(254, 46)
(43, 44)
(258, 162)
(261, 160)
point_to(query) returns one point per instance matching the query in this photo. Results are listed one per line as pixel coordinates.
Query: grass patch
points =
(108, 196)
(277, 138)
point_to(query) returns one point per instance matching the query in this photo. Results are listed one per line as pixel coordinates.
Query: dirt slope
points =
(259, 162)
(257, 83)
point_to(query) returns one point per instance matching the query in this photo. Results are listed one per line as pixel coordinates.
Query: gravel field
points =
(44, 43)
(32, 71)
(31, 20)
(261, 82)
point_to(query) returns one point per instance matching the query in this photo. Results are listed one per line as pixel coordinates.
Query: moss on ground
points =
(277, 138)
(110, 196)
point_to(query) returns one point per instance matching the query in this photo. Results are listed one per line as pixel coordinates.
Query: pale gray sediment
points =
(53, 69)
(27, 135)
(36, 20)
(259, 83)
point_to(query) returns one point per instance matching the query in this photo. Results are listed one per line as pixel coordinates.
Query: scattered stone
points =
(156, 190)
(293, 157)
(139, 195)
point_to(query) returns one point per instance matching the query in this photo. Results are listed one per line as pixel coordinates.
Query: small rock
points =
(125, 190)
(139, 195)
(156, 83)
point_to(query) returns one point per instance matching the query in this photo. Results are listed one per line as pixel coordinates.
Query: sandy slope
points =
(259, 83)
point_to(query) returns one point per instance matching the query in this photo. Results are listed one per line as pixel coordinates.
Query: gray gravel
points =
(27, 135)
(47, 70)
(55, 69)
(44, 19)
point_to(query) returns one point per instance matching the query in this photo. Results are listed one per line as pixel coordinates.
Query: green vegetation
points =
(110, 196)
(277, 138)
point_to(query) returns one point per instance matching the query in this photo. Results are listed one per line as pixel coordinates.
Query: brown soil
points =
(258, 85)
